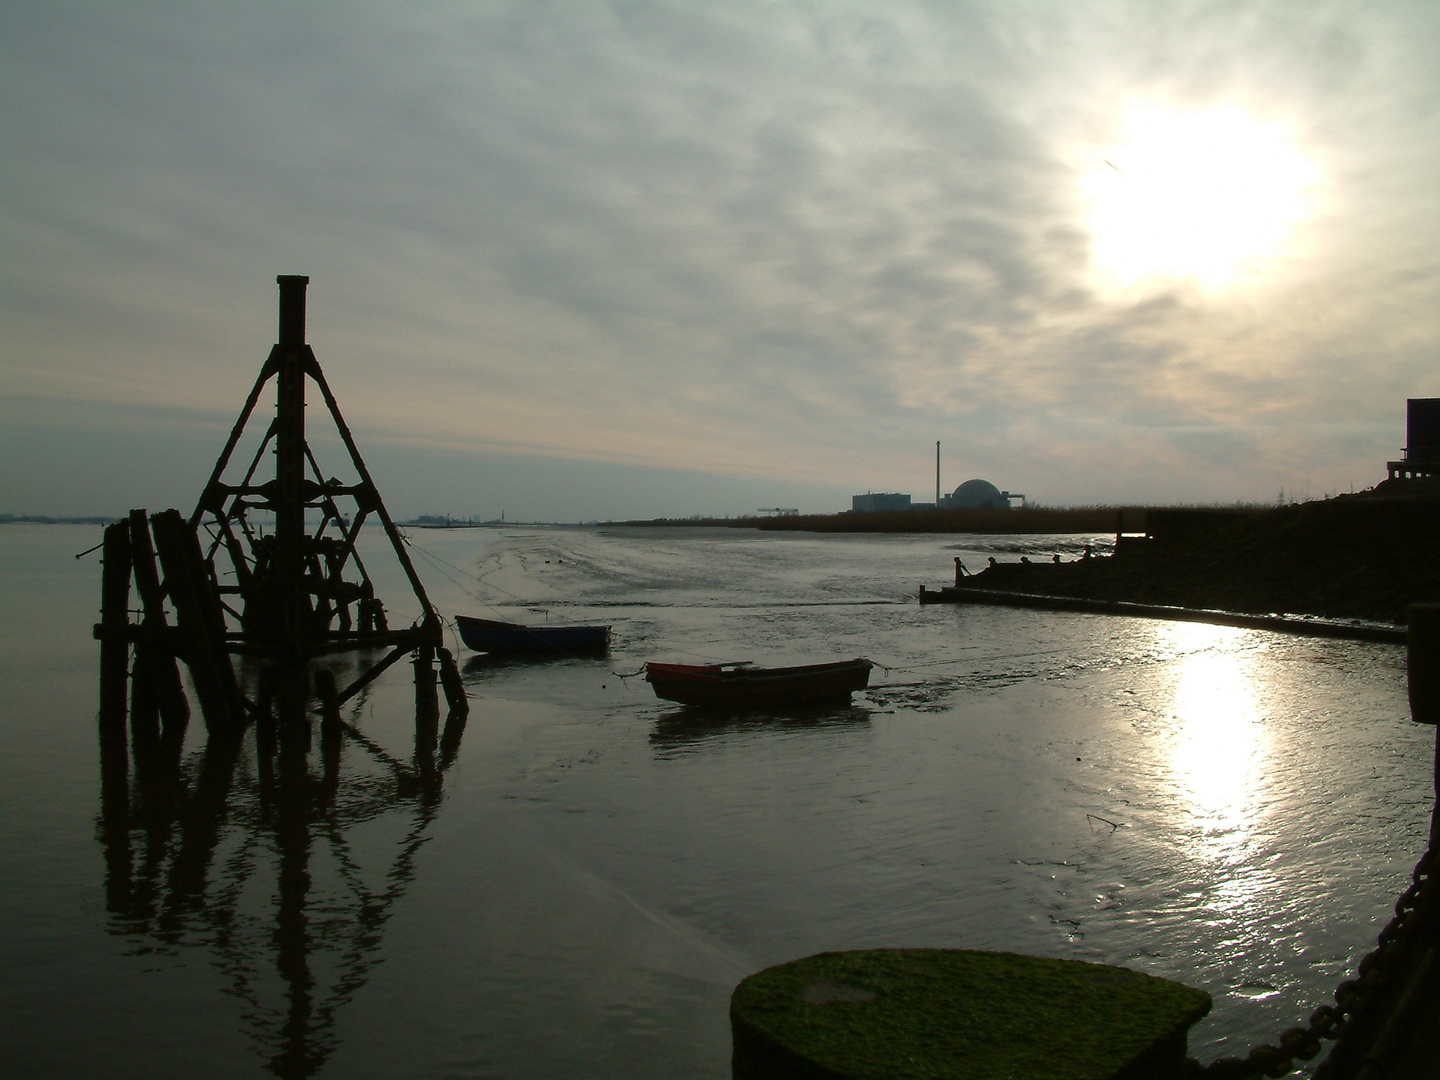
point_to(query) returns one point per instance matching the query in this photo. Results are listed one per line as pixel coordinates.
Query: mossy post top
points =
(952, 1014)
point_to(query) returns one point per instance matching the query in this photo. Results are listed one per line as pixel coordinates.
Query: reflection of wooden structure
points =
(255, 867)
(284, 599)
(292, 605)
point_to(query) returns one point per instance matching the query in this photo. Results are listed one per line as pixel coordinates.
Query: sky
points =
(582, 260)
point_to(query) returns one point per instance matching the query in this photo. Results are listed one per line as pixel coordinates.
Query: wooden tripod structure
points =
(304, 591)
(286, 598)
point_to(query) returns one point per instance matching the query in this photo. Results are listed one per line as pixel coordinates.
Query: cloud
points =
(790, 241)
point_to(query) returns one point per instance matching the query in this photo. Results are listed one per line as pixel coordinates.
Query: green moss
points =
(928, 1014)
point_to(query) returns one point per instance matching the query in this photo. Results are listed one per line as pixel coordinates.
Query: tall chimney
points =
(937, 474)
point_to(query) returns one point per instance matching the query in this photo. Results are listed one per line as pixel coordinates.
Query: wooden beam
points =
(197, 610)
(369, 676)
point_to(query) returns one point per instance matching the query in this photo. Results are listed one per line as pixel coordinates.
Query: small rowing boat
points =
(741, 685)
(493, 636)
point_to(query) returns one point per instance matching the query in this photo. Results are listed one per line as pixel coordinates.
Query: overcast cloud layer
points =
(583, 260)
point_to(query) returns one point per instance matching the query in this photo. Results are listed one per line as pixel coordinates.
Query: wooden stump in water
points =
(952, 1014)
(112, 633)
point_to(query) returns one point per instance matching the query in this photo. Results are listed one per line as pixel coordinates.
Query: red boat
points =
(740, 685)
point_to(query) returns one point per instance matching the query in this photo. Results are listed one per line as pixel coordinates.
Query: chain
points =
(1330, 1021)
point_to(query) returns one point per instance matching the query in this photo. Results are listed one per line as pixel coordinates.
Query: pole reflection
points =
(248, 850)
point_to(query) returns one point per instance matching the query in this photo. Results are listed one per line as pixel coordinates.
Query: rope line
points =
(437, 562)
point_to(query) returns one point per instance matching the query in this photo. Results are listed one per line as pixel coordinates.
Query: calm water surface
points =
(591, 871)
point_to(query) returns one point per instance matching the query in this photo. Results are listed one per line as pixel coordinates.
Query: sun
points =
(1205, 197)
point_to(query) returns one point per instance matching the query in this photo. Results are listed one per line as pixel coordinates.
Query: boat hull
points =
(492, 636)
(716, 686)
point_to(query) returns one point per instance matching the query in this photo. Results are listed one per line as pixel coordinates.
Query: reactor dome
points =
(978, 495)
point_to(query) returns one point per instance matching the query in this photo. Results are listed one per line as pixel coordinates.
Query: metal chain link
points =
(1330, 1021)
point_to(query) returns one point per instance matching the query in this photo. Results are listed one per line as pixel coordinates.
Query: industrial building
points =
(1421, 456)
(972, 495)
(878, 503)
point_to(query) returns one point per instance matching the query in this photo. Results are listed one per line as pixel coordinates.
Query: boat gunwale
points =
(713, 686)
(594, 637)
(742, 674)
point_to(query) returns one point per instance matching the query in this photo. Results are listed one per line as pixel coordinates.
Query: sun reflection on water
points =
(1220, 749)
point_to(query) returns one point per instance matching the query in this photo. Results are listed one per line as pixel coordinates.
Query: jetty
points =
(1360, 559)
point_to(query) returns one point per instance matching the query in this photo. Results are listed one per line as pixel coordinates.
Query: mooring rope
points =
(436, 561)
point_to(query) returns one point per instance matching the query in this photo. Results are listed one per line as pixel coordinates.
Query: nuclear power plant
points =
(978, 495)
(973, 494)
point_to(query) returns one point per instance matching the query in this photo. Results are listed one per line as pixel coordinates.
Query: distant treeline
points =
(1037, 519)
(41, 519)
(446, 521)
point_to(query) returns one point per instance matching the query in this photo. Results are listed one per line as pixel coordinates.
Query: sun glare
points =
(1205, 197)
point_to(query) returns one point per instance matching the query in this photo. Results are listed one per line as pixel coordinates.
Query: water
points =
(1230, 808)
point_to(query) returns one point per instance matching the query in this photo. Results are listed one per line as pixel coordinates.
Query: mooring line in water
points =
(433, 561)
(520, 601)
(438, 564)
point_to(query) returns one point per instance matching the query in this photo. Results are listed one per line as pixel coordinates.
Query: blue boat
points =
(492, 636)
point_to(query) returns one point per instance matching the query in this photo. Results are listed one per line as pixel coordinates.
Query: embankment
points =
(1353, 557)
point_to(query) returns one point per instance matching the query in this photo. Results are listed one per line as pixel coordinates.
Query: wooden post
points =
(155, 656)
(1422, 666)
(113, 632)
(202, 626)
(453, 685)
(459, 704)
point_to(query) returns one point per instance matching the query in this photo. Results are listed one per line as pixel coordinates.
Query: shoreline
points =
(1285, 624)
